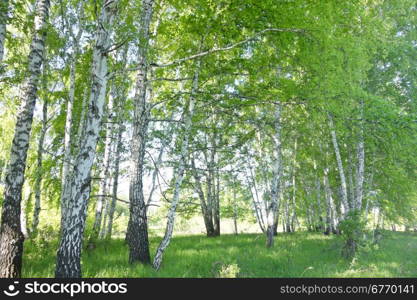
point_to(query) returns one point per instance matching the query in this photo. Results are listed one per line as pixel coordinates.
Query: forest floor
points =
(299, 254)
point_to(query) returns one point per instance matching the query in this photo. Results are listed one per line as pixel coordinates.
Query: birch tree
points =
(105, 172)
(76, 195)
(39, 168)
(137, 231)
(75, 38)
(179, 176)
(342, 176)
(276, 177)
(11, 238)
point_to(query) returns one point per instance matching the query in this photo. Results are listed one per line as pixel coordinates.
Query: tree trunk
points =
(216, 206)
(69, 114)
(11, 238)
(294, 189)
(4, 8)
(104, 175)
(39, 171)
(115, 181)
(188, 115)
(69, 253)
(255, 197)
(137, 230)
(342, 176)
(23, 217)
(351, 182)
(208, 221)
(119, 103)
(330, 225)
(67, 141)
(319, 220)
(272, 210)
(360, 175)
(235, 215)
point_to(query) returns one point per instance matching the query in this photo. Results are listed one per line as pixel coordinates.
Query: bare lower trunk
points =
(294, 189)
(319, 220)
(38, 181)
(216, 206)
(255, 198)
(351, 182)
(115, 182)
(330, 225)
(23, 216)
(208, 221)
(235, 214)
(68, 263)
(11, 238)
(170, 218)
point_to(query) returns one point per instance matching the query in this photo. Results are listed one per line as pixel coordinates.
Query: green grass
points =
(294, 255)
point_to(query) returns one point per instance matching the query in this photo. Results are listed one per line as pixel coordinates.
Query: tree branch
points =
(228, 47)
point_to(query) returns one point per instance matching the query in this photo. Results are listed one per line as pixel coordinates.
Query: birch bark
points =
(11, 238)
(208, 221)
(137, 231)
(105, 172)
(39, 171)
(188, 114)
(69, 112)
(339, 166)
(360, 175)
(330, 225)
(276, 177)
(77, 193)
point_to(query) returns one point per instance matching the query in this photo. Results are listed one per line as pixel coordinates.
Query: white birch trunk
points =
(256, 201)
(137, 230)
(69, 114)
(360, 175)
(39, 171)
(105, 172)
(77, 193)
(331, 226)
(112, 207)
(119, 95)
(11, 238)
(276, 177)
(342, 176)
(23, 216)
(188, 114)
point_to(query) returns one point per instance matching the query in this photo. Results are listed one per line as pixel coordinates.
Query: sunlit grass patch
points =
(293, 255)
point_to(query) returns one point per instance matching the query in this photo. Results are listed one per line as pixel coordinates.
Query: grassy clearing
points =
(294, 255)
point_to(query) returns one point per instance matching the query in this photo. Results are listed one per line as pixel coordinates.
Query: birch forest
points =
(208, 138)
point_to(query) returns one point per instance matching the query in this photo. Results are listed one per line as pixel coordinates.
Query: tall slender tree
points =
(11, 238)
(137, 231)
(77, 193)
